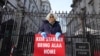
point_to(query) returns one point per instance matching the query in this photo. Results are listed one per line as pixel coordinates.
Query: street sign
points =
(82, 53)
(82, 49)
(82, 45)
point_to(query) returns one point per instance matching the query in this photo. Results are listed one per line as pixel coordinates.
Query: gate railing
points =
(17, 29)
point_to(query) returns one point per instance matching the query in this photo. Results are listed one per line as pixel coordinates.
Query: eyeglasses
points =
(51, 16)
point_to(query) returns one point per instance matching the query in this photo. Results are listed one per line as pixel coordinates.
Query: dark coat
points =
(51, 29)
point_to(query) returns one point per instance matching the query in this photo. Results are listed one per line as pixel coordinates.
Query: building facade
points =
(82, 13)
(20, 19)
(83, 24)
(46, 6)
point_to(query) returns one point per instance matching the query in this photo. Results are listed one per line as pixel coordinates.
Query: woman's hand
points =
(44, 34)
(57, 35)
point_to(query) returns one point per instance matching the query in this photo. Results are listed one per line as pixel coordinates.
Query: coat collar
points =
(45, 21)
(56, 23)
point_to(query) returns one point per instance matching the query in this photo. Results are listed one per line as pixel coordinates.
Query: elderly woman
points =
(50, 26)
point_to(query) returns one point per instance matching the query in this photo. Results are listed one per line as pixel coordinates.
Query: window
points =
(42, 9)
(43, 6)
(90, 2)
(30, 1)
(32, 9)
(91, 5)
(2, 2)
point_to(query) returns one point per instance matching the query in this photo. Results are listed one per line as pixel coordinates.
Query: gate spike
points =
(62, 11)
(66, 12)
(59, 12)
(55, 12)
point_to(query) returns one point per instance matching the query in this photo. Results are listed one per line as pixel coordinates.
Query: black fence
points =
(82, 33)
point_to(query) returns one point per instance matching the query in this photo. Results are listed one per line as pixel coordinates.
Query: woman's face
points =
(51, 19)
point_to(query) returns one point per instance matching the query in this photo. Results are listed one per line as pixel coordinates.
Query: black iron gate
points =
(17, 40)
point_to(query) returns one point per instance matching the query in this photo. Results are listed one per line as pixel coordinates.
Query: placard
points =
(49, 46)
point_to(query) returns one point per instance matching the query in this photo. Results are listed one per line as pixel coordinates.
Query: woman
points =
(50, 26)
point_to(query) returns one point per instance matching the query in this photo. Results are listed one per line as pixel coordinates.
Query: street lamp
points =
(83, 21)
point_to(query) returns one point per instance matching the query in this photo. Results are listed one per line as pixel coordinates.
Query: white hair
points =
(48, 16)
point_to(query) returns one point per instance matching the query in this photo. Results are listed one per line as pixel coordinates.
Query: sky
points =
(61, 5)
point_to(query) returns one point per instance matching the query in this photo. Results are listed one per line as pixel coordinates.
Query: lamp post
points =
(83, 21)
